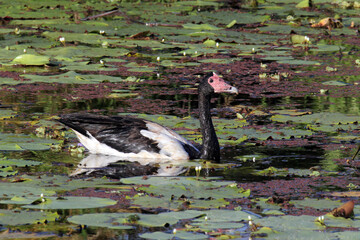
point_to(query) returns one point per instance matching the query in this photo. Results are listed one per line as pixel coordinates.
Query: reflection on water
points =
(51, 101)
(115, 167)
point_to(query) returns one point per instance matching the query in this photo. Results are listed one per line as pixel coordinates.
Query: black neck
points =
(210, 147)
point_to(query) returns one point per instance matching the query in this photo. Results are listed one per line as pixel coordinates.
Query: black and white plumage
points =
(129, 137)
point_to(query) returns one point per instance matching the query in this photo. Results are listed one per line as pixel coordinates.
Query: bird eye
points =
(211, 80)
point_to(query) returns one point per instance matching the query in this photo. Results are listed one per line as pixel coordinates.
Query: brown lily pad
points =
(346, 210)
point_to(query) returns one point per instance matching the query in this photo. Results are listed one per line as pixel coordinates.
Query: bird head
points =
(215, 84)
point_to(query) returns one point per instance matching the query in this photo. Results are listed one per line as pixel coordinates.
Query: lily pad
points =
(31, 60)
(124, 220)
(10, 190)
(189, 187)
(47, 185)
(83, 52)
(223, 219)
(204, 26)
(22, 217)
(317, 203)
(71, 77)
(18, 162)
(303, 227)
(71, 203)
(179, 235)
(335, 83)
(172, 192)
(7, 171)
(148, 202)
(109, 220)
(21, 142)
(7, 113)
(84, 66)
(322, 118)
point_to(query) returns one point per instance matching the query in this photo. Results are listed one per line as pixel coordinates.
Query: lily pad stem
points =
(357, 151)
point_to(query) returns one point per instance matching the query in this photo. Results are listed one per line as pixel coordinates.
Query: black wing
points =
(120, 133)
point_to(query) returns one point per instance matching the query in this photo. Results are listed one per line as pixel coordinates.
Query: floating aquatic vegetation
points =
(22, 217)
(31, 60)
(142, 57)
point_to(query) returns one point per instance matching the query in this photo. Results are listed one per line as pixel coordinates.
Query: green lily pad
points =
(11, 189)
(204, 26)
(9, 81)
(155, 202)
(7, 171)
(18, 162)
(22, 217)
(31, 60)
(210, 43)
(317, 203)
(340, 222)
(190, 187)
(220, 61)
(222, 219)
(299, 62)
(7, 113)
(299, 39)
(326, 48)
(84, 66)
(201, 34)
(197, 193)
(304, 227)
(273, 212)
(71, 203)
(124, 220)
(304, 4)
(83, 52)
(134, 67)
(109, 220)
(208, 203)
(122, 94)
(21, 142)
(169, 63)
(322, 118)
(288, 223)
(335, 83)
(178, 235)
(20, 200)
(209, 225)
(88, 38)
(46, 185)
(71, 77)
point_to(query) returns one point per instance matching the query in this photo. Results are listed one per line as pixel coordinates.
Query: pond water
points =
(286, 139)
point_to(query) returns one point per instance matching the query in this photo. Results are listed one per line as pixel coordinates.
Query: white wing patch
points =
(96, 147)
(161, 130)
(169, 146)
(168, 141)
